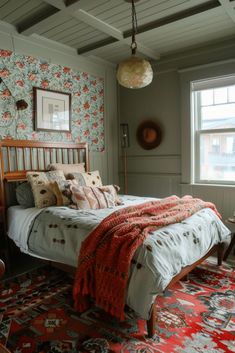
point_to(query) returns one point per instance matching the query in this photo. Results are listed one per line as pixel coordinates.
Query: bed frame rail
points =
(19, 156)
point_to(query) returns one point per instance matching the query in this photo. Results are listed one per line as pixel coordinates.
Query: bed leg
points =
(185, 278)
(151, 322)
(220, 253)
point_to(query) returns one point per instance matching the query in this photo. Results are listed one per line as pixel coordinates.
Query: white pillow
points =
(67, 168)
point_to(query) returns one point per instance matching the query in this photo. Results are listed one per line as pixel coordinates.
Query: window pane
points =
(231, 94)
(220, 95)
(218, 116)
(207, 97)
(217, 157)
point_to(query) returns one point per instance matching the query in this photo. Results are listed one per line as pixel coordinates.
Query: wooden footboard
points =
(220, 248)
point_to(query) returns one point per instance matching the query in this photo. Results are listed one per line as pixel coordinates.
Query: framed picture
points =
(52, 110)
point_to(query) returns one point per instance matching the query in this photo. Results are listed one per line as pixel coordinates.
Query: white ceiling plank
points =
(228, 8)
(145, 50)
(102, 61)
(196, 39)
(48, 22)
(169, 34)
(98, 24)
(61, 29)
(72, 33)
(85, 40)
(24, 10)
(59, 4)
(9, 7)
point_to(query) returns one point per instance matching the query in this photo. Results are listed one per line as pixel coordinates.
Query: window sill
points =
(232, 186)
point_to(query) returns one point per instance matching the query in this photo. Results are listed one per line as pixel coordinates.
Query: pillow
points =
(24, 195)
(40, 184)
(67, 168)
(86, 197)
(113, 189)
(62, 191)
(87, 179)
(43, 196)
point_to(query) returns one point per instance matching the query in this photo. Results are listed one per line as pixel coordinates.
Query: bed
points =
(156, 266)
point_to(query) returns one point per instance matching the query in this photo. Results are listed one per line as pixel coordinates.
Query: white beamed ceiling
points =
(97, 27)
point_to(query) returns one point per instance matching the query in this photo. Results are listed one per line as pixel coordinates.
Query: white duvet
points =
(157, 260)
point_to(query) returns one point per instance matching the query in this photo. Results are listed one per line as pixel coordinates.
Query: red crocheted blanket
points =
(106, 254)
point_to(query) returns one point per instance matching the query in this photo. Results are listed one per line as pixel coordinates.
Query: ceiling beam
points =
(98, 24)
(228, 8)
(92, 47)
(59, 4)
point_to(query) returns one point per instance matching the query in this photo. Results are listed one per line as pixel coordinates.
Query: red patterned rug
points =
(198, 316)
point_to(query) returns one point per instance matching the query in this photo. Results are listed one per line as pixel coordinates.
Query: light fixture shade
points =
(134, 73)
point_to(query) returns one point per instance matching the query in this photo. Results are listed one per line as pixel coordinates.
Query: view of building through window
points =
(214, 121)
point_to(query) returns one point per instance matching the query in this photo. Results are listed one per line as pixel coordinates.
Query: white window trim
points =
(186, 76)
(197, 132)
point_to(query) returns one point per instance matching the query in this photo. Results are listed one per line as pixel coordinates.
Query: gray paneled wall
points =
(153, 172)
(154, 175)
(165, 170)
(222, 196)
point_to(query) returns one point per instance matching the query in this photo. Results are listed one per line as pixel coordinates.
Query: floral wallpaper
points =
(21, 73)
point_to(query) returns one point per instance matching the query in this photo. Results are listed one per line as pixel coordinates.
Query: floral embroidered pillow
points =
(63, 191)
(40, 184)
(87, 179)
(86, 197)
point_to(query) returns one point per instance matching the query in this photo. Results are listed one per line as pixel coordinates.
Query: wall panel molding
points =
(154, 164)
(153, 185)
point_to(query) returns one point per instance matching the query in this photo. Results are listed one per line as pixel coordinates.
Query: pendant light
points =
(134, 72)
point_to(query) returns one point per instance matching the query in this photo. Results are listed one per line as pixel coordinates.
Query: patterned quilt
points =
(58, 232)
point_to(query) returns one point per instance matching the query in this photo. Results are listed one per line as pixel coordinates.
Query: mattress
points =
(19, 221)
(172, 247)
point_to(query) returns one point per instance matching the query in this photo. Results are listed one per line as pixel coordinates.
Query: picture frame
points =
(52, 110)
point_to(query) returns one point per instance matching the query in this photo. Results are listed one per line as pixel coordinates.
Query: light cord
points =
(134, 28)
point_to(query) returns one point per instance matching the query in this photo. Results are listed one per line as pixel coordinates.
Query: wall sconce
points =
(125, 143)
(21, 104)
(125, 140)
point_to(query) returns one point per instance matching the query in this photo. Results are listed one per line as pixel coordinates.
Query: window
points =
(213, 114)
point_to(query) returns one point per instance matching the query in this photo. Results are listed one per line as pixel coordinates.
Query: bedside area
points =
(230, 223)
(2, 268)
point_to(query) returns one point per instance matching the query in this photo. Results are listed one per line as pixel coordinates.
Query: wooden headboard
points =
(19, 156)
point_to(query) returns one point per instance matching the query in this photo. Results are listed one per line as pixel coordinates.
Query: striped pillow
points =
(86, 197)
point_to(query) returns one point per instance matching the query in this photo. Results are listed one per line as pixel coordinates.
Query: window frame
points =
(197, 132)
